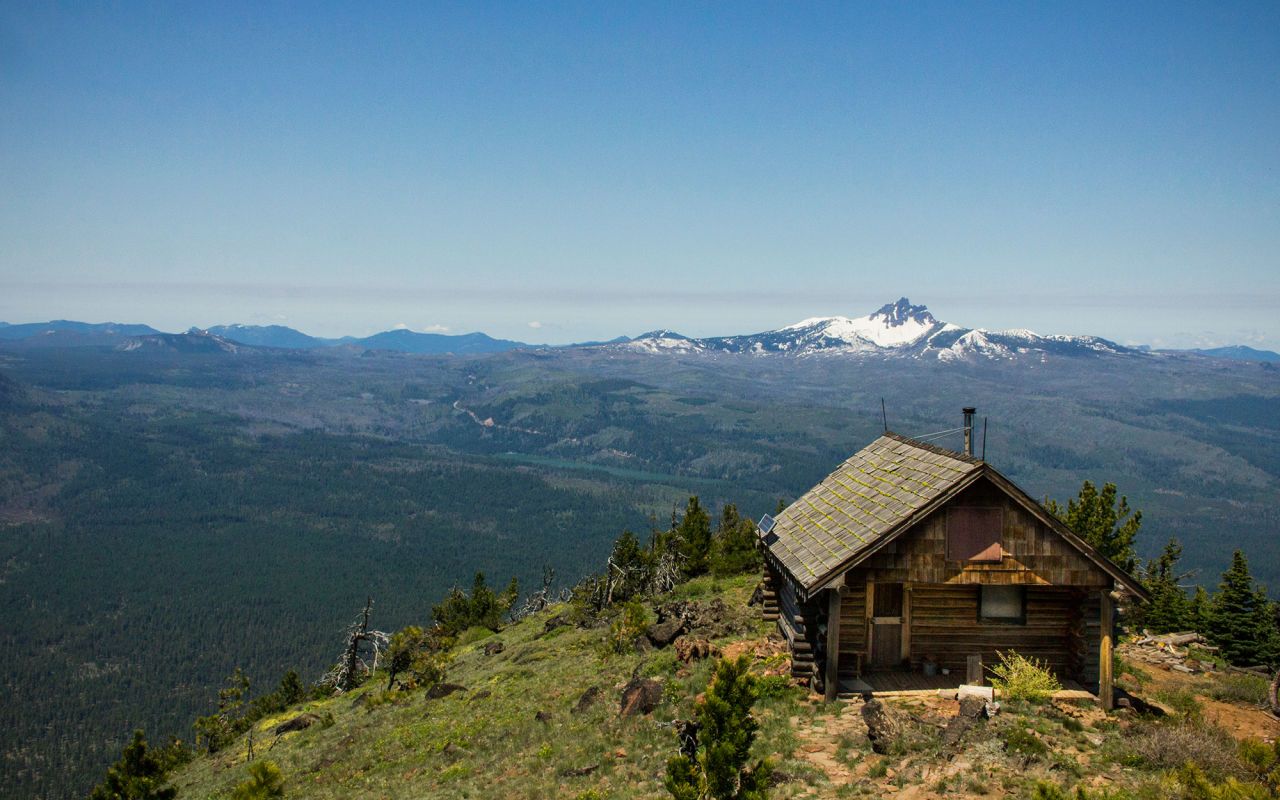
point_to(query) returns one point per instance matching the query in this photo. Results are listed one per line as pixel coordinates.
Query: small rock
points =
(588, 699)
(578, 772)
(621, 752)
(493, 648)
(689, 649)
(543, 716)
(482, 694)
(558, 621)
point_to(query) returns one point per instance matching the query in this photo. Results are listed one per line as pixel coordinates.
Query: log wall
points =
(798, 622)
(945, 626)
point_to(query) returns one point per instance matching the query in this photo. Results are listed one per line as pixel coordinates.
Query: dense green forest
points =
(167, 518)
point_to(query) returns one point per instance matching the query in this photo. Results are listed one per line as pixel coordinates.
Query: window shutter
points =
(973, 533)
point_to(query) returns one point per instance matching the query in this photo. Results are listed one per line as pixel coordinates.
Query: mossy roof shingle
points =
(866, 497)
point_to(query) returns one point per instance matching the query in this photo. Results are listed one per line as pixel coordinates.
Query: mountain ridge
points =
(899, 329)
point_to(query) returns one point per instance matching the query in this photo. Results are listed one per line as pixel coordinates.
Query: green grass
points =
(486, 742)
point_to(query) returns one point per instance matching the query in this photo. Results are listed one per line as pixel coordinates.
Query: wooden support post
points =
(973, 670)
(833, 644)
(1104, 652)
(868, 635)
(906, 621)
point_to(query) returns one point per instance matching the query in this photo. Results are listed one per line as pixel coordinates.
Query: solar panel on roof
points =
(766, 523)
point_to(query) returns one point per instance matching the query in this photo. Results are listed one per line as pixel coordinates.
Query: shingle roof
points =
(866, 497)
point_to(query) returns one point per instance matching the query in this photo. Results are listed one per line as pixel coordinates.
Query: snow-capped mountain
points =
(895, 330)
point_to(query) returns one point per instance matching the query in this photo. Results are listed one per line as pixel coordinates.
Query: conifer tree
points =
(1097, 518)
(1241, 619)
(693, 538)
(1168, 609)
(138, 775)
(734, 549)
(265, 782)
(717, 764)
(1198, 611)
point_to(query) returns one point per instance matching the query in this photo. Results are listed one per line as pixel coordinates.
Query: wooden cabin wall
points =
(1091, 618)
(945, 626)
(853, 624)
(1033, 554)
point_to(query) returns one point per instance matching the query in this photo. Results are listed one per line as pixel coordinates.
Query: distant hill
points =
(1239, 352)
(69, 333)
(407, 341)
(193, 341)
(270, 336)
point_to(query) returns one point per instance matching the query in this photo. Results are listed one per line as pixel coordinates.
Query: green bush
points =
(1024, 742)
(629, 626)
(1017, 677)
(265, 781)
(1252, 689)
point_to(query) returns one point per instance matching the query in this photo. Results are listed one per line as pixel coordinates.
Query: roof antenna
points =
(884, 416)
(984, 438)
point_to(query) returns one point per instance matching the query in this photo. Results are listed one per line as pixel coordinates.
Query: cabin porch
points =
(898, 683)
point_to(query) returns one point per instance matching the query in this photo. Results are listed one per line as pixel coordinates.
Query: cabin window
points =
(973, 534)
(1003, 604)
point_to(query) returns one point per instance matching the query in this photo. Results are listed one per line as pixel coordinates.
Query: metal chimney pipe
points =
(969, 411)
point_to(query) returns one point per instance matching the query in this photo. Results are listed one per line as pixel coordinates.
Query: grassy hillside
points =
(519, 729)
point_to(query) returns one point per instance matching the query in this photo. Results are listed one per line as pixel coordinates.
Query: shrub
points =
(1024, 742)
(1252, 689)
(265, 781)
(1167, 746)
(1020, 678)
(629, 626)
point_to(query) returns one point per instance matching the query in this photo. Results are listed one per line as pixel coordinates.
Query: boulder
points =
(884, 726)
(639, 696)
(972, 709)
(558, 621)
(298, 723)
(444, 690)
(664, 633)
(493, 648)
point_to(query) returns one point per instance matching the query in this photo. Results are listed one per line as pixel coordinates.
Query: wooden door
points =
(886, 625)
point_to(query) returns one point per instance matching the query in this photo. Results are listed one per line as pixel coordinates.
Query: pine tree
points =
(1168, 609)
(1198, 610)
(1097, 518)
(1241, 619)
(734, 548)
(265, 782)
(138, 775)
(717, 765)
(693, 538)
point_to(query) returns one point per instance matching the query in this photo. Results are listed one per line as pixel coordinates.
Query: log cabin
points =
(913, 559)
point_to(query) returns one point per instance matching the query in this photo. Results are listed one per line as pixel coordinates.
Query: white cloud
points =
(400, 326)
(436, 328)
(535, 324)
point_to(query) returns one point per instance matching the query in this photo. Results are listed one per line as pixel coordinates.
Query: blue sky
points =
(553, 172)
